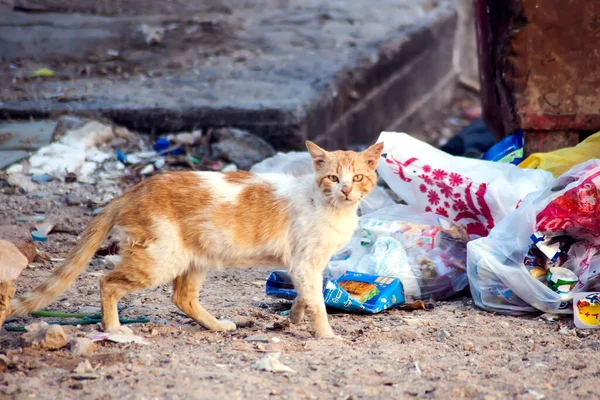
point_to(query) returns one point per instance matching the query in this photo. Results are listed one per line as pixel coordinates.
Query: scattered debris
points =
(240, 147)
(43, 72)
(83, 367)
(117, 337)
(443, 334)
(271, 363)
(39, 236)
(47, 336)
(80, 346)
(164, 146)
(151, 34)
(186, 138)
(42, 178)
(550, 317)
(70, 122)
(75, 200)
(75, 152)
(147, 170)
(31, 218)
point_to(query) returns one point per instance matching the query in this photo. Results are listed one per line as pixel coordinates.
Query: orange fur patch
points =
(238, 177)
(256, 218)
(177, 196)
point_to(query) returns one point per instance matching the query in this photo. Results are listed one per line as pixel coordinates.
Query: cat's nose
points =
(346, 190)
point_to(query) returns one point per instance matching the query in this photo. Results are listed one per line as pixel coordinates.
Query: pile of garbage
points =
(523, 241)
(95, 153)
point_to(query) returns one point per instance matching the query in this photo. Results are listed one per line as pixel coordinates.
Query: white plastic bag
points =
(474, 193)
(569, 207)
(426, 252)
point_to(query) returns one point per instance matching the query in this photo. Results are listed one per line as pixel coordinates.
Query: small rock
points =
(44, 335)
(83, 367)
(22, 181)
(147, 170)
(379, 369)
(240, 147)
(276, 340)
(188, 138)
(97, 211)
(80, 346)
(468, 346)
(69, 122)
(443, 334)
(12, 262)
(21, 238)
(271, 363)
(4, 363)
(385, 329)
(10, 389)
(258, 338)
(42, 178)
(89, 310)
(75, 200)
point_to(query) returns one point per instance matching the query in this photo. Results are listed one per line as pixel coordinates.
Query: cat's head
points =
(345, 177)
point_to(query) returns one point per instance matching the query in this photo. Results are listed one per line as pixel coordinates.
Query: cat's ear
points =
(372, 154)
(318, 155)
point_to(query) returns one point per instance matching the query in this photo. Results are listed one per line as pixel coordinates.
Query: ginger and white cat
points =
(175, 226)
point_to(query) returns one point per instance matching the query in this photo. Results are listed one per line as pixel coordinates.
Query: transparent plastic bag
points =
(499, 275)
(427, 253)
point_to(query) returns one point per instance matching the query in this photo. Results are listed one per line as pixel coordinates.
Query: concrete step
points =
(337, 72)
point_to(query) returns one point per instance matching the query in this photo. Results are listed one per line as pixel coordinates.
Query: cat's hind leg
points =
(185, 296)
(130, 275)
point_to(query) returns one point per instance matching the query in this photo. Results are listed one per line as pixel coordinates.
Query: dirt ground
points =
(452, 351)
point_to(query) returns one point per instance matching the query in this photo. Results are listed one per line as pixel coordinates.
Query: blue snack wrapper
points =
(510, 150)
(386, 292)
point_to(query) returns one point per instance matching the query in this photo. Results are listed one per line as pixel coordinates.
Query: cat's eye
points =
(333, 178)
(357, 178)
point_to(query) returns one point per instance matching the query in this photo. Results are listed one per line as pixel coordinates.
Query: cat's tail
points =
(75, 263)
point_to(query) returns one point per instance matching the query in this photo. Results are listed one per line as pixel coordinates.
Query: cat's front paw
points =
(226, 325)
(333, 337)
(122, 330)
(325, 333)
(297, 313)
